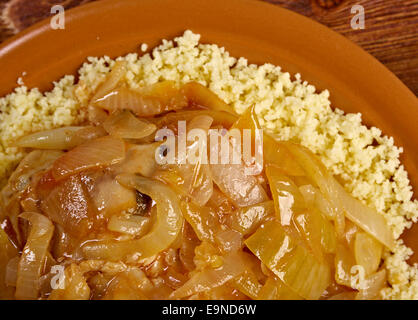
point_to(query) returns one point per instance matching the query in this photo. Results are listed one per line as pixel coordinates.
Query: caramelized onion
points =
(203, 220)
(292, 211)
(95, 153)
(75, 286)
(11, 272)
(34, 162)
(372, 286)
(243, 190)
(229, 240)
(10, 211)
(60, 139)
(319, 212)
(274, 289)
(368, 252)
(248, 284)
(171, 119)
(194, 181)
(246, 220)
(232, 266)
(327, 230)
(111, 81)
(313, 197)
(127, 126)
(149, 101)
(193, 178)
(112, 198)
(97, 115)
(33, 255)
(201, 96)
(344, 263)
(198, 182)
(195, 175)
(68, 205)
(220, 202)
(273, 152)
(129, 224)
(184, 224)
(139, 159)
(286, 196)
(8, 257)
(366, 218)
(289, 261)
(163, 233)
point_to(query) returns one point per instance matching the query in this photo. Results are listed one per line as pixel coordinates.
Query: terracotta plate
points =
(256, 30)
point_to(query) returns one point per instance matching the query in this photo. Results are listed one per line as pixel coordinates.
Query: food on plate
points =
(139, 188)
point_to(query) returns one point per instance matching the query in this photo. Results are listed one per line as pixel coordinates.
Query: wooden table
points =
(390, 34)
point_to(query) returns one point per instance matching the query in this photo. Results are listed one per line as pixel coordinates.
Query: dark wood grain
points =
(390, 34)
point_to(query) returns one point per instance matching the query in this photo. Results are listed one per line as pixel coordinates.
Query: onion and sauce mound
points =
(90, 213)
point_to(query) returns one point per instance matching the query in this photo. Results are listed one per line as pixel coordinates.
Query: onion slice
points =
(61, 138)
(199, 95)
(290, 262)
(110, 198)
(372, 286)
(33, 255)
(139, 159)
(111, 81)
(368, 252)
(171, 119)
(8, 257)
(247, 283)
(145, 102)
(95, 153)
(193, 178)
(229, 240)
(127, 126)
(163, 233)
(233, 265)
(275, 289)
(366, 218)
(313, 197)
(129, 224)
(233, 179)
(203, 220)
(67, 204)
(113, 78)
(273, 152)
(246, 220)
(11, 271)
(344, 263)
(34, 162)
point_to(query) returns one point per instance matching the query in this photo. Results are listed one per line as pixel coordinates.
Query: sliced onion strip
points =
(33, 255)
(163, 233)
(127, 126)
(366, 218)
(145, 102)
(61, 138)
(95, 153)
